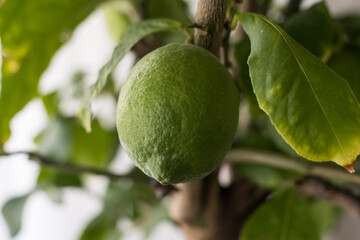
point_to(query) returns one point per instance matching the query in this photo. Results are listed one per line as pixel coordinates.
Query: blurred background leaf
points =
(102, 227)
(324, 214)
(268, 177)
(172, 9)
(313, 29)
(117, 19)
(65, 140)
(346, 63)
(284, 216)
(12, 212)
(29, 40)
(126, 199)
(351, 26)
(241, 54)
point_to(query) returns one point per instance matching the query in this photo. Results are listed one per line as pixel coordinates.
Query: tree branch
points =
(66, 166)
(291, 164)
(234, 156)
(210, 16)
(319, 188)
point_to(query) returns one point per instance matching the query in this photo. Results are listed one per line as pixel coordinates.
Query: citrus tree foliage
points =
(31, 32)
(299, 79)
(320, 123)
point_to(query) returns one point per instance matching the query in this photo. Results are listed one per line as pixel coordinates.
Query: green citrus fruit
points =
(177, 113)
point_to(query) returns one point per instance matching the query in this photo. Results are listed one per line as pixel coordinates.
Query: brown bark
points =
(210, 17)
(320, 188)
(206, 211)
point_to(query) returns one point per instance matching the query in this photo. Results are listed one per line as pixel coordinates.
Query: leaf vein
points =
(309, 82)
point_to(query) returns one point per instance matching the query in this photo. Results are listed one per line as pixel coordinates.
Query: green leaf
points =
(65, 140)
(346, 63)
(49, 177)
(51, 102)
(313, 29)
(351, 26)
(172, 9)
(312, 107)
(266, 176)
(125, 197)
(31, 32)
(56, 141)
(254, 136)
(132, 36)
(324, 214)
(241, 54)
(285, 216)
(152, 217)
(12, 212)
(117, 20)
(102, 227)
(95, 149)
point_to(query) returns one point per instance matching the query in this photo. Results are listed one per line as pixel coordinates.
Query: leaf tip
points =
(350, 168)
(85, 119)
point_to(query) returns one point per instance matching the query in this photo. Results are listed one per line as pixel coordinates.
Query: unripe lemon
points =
(177, 113)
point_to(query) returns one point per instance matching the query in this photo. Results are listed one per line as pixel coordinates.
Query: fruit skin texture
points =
(177, 113)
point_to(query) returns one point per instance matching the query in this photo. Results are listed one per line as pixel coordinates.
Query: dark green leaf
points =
(51, 102)
(312, 107)
(283, 217)
(12, 212)
(95, 149)
(103, 227)
(346, 63)
(172, 9)
(313, 29)
(31, 32)
(268, 177)
(132, 36)
(254, 136)
(324, 214)
(241, 53)
(49, 177)
(66, 140)
(351, 26)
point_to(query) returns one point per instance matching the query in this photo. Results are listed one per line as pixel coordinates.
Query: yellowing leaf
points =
(312, 107)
